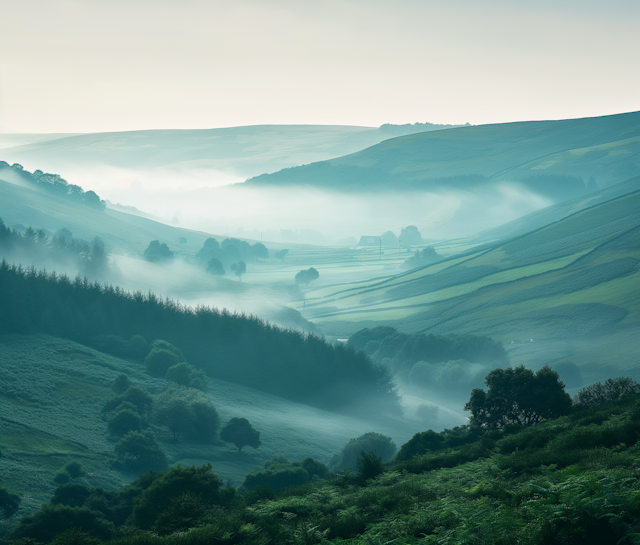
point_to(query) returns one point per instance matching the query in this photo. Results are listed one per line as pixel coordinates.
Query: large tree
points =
(241, 433)
(518, 396)
(306, 276)
(239, 268)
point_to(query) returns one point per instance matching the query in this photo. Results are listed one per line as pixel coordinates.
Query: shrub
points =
(160, 344)
(138, 347)
(9, 503)
(158, 361)
(186, 375)
(134, 395)
(71, 494)
(241, 433)
(172, 487)
(121, 384)
(369, 465)
(139, 451)
(123, 421)
(611, 390)
(61, 477)
(281, 473)
(186, 413)
(52, 520)
(74, 469)
(380, 444)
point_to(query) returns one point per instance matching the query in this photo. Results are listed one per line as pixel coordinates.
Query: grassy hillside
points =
(52, 391)
(572, 480)
(549, 157)
(569, 286)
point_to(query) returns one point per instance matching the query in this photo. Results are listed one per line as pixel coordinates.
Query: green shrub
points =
(52, 520)
(369, 465)
(187, 413)
(159, 344)
(134, 395)
(158, 361)
(74, 468)
(121, 384)
(71, 494)
(139, 451)
(61, 477)
(280, 473)
(123, 421)
(380, 444)
(241, 433)
(186, 375)
(138, 347)
(9, 503)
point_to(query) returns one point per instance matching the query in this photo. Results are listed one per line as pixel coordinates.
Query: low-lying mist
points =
(217, 202)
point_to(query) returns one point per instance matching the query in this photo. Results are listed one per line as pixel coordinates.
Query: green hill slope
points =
(570, 286)
(549, 157)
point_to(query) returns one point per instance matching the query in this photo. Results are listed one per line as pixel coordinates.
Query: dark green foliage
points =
(518, 396)
(138, 347)
(187, 375)
(121, 384)
(380, 444)
(186, 413)
(123, 421)
(260, 250)
(157, 252)
(160, 344)
(369, 465)
(71, 494)
(159, 361)
(162, 495)
(241, 433)
(61, 477)
(74, 469)
(133, 395)
(611, 390)
(239, 268)
(139, 451)
(52, 520)
(215, 267)
(286, 363)
(55, 185)
(405, 351)
(281, 473)
(281, 254)
(306, 276)
(9, 503)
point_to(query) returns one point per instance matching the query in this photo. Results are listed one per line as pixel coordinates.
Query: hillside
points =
(564, 292)
(52, 391)
(553, 158)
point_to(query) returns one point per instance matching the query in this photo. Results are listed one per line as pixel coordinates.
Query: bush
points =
(71, 494)
(172, 487)
(121, 384)
(186, 413)
(123, 421)
(369, 465)
(139, 451)
(61, 477)
(137, 397)
(138, 347)
(377, 443)
(611, 390)
(158, 361)
(52, 520)
(186, 375)
(74, 469)
(281, 473)
(9, 503)
(160, 344)
(241, 433)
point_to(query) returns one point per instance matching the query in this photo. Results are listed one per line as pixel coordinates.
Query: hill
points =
(564, 292)
(557, 159)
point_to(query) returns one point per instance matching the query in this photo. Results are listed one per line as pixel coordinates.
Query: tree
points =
(9, 503)
(159, 361)
(214, 266)
(121, 384)
(157, 252)
(369, 465)
(71, 494)
(260, 250)
(140, 451)
(239, 268)
(74, 469)
(410, 236)
(186, 375)
(518, 396)
(281, 254)
(241, 433)
(306, 276)
(186, 412)
(176, 414)
(389, 240)
(377, 443)
(122, 422)
(612, 389)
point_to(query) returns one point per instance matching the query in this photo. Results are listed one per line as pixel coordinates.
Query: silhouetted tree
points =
(157, 252)
(159, 361)
(281, 254)
(518, 396)
(140, 451)
(389, 240)
(214, 266)
(377, 443)
(410, 236)
(241, 433)
(306, 276)
(123, 421)
(612, 389)
(239, 268)
(121, 384)
(260, 250)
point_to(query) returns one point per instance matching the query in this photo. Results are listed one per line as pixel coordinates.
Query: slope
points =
(549, 157)
(570, 286)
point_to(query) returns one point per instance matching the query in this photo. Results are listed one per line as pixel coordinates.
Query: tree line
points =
(229, 346)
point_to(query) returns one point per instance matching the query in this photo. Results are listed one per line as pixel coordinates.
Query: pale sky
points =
(108, 65)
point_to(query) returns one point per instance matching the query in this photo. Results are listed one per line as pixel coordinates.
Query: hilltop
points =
(557, 159)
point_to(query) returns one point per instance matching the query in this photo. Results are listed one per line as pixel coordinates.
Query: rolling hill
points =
(566, 291)
(558, 159)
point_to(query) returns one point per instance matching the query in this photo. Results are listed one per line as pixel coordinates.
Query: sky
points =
(111, 65)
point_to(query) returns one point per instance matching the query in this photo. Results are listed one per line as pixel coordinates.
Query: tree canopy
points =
(306, 276)
(518, 396)
(241, 433)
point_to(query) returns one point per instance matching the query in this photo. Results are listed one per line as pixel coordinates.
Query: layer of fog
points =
(216, 202)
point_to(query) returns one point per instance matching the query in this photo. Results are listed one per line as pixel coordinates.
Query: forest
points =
(293, 365)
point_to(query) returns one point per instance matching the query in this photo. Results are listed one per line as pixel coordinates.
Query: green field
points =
(572, 282)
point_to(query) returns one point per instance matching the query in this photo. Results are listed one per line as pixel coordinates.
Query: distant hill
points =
(563, 292)
(557, 159)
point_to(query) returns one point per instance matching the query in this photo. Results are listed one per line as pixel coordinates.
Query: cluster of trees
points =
(422, 258)
(287, 363)
(61, 248)
(376, 443)
(158, 252)
(409, 236)
(231, 254)
(52, 184)
(402, 351)
(281, 473)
